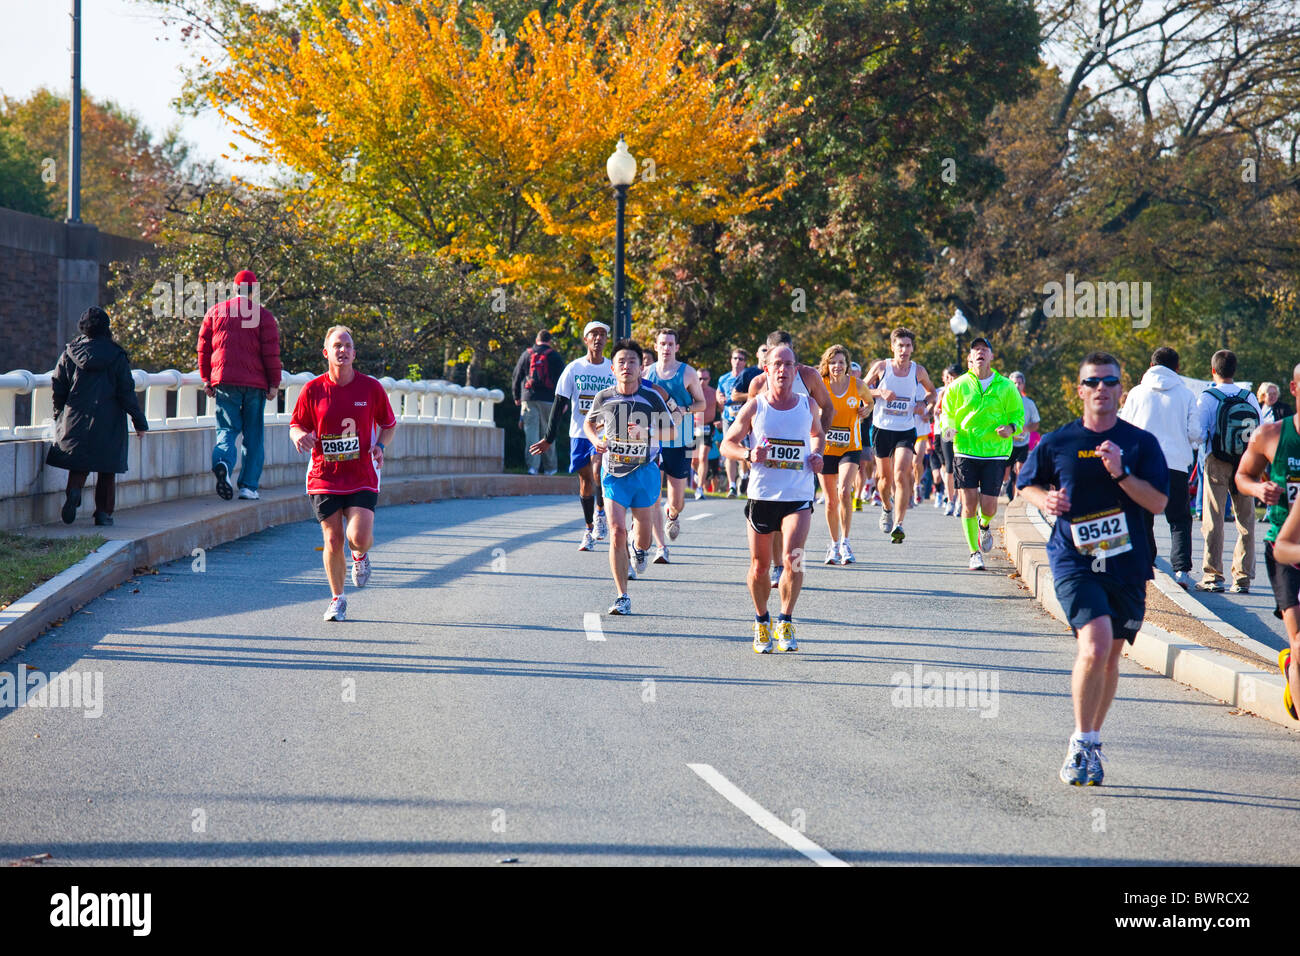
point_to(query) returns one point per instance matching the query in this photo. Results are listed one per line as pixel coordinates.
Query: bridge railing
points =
(435, 402)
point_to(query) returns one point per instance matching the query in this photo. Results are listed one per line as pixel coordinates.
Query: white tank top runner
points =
(787, 434)
(896, 415)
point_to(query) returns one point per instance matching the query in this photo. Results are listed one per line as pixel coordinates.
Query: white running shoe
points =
(820, 499)
(762, 637)
(846, 553)
(621, 605)
(249, 494)
(976, 561)
(640, 560)
(360, 570)
(775, 577)
(602, 526)
(699, 494)
(785, 636)
(672, 525)
(833, 553)
(588, 541)
(938, 501)
(338, 609)
(986, 539)
(875, 499)
(950, 508)
(886, 520)
(661, 554)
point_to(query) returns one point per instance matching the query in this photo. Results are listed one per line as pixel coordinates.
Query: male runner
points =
(625, 425)
(789, 441)
(943, 435)
(682, 384)
(733, 397)
(894, 384)
(985, 410)
(579, 382)
(1098, 475)
(704, 424)
(344, 419)
(1270, 471)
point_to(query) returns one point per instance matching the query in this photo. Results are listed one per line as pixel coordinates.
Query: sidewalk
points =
(158, 533)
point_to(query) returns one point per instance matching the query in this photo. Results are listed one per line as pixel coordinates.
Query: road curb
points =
(1224, 678)
(112, 563)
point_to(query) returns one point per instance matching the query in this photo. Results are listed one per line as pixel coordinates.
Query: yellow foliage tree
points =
(492, 149)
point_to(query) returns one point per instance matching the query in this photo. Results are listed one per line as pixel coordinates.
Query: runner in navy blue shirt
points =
(1097, 475)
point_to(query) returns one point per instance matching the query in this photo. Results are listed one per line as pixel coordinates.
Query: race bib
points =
(839, 436)
(1292, 488)
(584, 402)
(1103, 533)
(784, 453)
(899, 406)
(340, 447)
(625, 452)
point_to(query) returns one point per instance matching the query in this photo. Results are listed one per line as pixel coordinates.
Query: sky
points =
(125, 57)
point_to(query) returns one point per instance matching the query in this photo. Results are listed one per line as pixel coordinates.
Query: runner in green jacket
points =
(983, 410)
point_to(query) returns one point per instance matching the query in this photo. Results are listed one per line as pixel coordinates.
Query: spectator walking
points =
(93, 395)
(1020, 442)
(1271, 409)
(1164, 406)
(239, 362)
(1227, 416)
(536, 374)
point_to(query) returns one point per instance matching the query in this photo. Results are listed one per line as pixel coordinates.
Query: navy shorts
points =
(885, 440)
(1087, 597)
(675, 462)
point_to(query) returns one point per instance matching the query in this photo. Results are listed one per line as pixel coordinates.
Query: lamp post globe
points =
(959, 325)
(621, 169)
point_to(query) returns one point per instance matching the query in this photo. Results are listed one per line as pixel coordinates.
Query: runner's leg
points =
(902, 463)
(794, 529)
(332, 531)
(360, 529)
(1096, 673)
(760, 568)
(618, 546)
(848, 480)
(830, 486)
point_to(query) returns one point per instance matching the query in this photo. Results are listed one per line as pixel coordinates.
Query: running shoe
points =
(1075, 769)
(249, 494)
(338, 609)
(833, 554)
(762, 637)
(897, 534)
(857, 504)
(1183, 579)
(661, 554)
(917, 499)
(640, 560)
(986, 538)
(1096, 773)
(820, 499)
(731, 491)
(1215, 587)
(1284, 661)
(699, 494)
(1241, 587)
(224, 491)
(976, 561)
(776, 575)
(846, 553)
(672, 525)
(938, 501)
(875, 499)
(588, 541)
(360, 570)
(623, 605)
(744, 485)
(785, 636)
(886, 520)
(602, 526)
(950, 508)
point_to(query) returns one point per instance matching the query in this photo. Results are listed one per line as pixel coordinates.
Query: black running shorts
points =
(982, 473)
(765, 517)
(1285, 579)
(327, 505)
(831, 463)
(885, 440)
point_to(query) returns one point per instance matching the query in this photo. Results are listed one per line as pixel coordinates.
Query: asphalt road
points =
(468, 712)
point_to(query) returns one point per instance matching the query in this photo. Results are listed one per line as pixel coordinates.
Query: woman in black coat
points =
(93, 395)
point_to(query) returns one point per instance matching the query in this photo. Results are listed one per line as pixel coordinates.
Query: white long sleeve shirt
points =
(1164, 406)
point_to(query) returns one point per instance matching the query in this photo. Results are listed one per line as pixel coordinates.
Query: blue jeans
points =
(240, 409)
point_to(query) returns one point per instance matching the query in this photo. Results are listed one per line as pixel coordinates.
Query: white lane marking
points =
(706, 514)
(787, 834)
(591, 624)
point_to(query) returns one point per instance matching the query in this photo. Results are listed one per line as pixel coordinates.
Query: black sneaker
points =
(223, 482)
(71, 502)
(103, 519)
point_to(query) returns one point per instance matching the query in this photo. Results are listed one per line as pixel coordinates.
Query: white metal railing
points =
(434, 402)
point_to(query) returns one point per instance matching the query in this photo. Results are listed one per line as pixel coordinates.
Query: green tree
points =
(22, 186)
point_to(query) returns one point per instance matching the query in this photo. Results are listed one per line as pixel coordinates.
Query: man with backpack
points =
(1227, 416)
(536, 374)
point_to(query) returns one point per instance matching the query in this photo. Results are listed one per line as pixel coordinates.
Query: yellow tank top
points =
(845, 434)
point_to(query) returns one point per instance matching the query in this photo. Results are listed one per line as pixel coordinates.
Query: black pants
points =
(1179, 517)
(105, 488)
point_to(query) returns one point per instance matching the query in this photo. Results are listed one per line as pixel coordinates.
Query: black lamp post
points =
(959, 325)
(621, 168)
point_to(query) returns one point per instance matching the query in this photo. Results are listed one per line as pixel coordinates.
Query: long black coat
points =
(93, 395)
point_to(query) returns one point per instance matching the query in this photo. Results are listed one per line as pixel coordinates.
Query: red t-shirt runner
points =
(346, 420)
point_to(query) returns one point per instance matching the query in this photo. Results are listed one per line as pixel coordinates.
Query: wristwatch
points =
(379, 445)
(1126, 473)
(749, 454)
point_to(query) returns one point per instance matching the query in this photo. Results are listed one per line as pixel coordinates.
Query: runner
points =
(704, 425)
(843, 450)
(579, 382)
(345, 420)
(865, 482)
(625, 425)
(985, 410)
(733, 397)
(1270, 471)
(1098, 475)
(682, 384)
(789, 441)
(921, 451)
(895, 383)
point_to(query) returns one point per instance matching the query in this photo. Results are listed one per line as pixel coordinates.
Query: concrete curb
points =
(1221, 677)
(114, 562)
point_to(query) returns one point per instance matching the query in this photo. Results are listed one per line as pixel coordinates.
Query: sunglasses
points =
(1108, 381)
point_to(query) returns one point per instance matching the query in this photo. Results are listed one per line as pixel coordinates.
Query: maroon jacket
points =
(237, 348)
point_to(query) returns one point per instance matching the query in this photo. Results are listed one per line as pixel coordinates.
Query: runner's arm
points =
(692, 382)
(1048, 501)
(1252, 471)
(559, 411)
(757, 385)
(931, 393)
(818, 435)
(731, 446)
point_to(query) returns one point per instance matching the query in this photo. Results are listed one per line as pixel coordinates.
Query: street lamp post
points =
(621, 169)
(959, 325)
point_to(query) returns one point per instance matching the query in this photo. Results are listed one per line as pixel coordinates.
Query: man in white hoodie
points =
(1164, 406)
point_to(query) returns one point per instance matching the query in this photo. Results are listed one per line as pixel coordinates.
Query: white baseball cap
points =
(594, 325)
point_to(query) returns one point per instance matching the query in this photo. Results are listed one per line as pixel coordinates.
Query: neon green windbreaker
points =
(977, 413)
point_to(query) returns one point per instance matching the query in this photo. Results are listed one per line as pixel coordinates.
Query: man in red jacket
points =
(239, 361)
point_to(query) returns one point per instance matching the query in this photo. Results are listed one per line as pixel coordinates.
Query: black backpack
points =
(539, 370)
(1234, 423)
